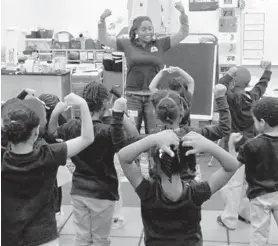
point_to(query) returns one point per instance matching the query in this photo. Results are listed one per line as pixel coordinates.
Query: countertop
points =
(13, 73)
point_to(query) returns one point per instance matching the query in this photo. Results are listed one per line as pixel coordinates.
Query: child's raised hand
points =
(232, 71)
(173, 69)
(31, 92)
(165, 139)
(266, 65)
(235, 138)
(198, 143)
(220, 91)
(120, 105)
(179, 6)
(74, 100)
(60, 107)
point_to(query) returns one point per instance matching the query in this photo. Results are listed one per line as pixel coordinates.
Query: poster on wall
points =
(203, 5)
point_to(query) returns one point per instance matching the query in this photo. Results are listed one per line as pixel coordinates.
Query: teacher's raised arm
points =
(104, 38)
(184, 28)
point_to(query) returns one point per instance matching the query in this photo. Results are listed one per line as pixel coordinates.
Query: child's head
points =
(179, 85)
(8, 105)
(265, 114)
(169, 108)
(96, 95)
(242, 78)
(20, 124)
(39, 108)
(50, 101)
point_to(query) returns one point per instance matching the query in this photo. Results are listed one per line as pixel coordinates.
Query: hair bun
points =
(13, 130)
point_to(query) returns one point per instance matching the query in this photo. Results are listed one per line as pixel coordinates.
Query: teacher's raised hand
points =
(105, 14)
(179, 6)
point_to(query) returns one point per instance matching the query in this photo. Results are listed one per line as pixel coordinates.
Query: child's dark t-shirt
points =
(241, 104)
(260, 156)
(28, 214)
(172, 223)
(95, 175)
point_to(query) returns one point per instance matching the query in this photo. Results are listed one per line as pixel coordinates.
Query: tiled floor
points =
(131, 233)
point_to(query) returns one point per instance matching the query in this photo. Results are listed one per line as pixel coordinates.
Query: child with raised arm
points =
(240, 102)
(213, 132)
(182, 82)
(94, 189)
(260, 157)
(170, 206)
(29, 173)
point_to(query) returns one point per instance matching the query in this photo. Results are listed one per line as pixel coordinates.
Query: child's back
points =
(260, 157)
(95, 183)
(28, 183)
(240, 101)
(95, 175)
(29, 169)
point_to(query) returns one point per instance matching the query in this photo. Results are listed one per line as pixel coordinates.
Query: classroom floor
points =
(131, 233)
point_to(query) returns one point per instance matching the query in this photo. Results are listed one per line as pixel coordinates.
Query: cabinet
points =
(58, 84)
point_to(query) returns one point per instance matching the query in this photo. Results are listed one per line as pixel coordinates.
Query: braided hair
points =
(135, 25)
(179, 164)
(168, 105)
(177, 84)
(169, 108)
(50, 101)
(96, 95)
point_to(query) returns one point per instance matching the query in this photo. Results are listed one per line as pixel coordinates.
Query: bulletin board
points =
(259, 32)
(201, 5)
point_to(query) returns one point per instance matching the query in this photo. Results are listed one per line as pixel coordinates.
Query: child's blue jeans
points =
(140, 108)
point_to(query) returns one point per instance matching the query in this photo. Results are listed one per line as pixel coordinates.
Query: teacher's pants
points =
(140, 108)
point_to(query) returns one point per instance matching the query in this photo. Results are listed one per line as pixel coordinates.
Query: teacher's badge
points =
(154, 49)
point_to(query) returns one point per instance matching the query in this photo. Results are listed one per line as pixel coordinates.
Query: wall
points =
(270, 8)
(74, 16)
(199, 22)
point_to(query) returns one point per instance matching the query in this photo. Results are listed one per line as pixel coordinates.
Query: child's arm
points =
(223, 128)
(116, 127)
(228, 162)
(130, 129)
(76, 145)
(228, 77)
(54, 118)
(26, 92)
(187, 78)
(128, 154)
(259, 89)
(154, 84)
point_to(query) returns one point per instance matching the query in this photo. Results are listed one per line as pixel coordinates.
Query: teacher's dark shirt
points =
(143, 63)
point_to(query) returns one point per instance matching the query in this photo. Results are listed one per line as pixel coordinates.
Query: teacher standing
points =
(144, 54)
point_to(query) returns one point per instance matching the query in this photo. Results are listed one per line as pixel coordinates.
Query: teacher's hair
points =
(135, 25)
